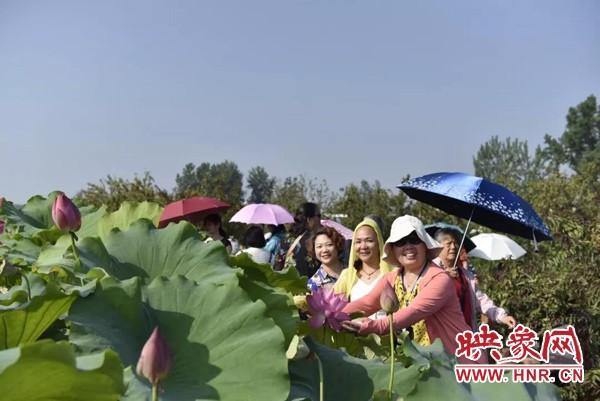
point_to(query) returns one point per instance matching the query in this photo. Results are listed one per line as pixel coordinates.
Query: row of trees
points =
(508, 162)
(225, 181)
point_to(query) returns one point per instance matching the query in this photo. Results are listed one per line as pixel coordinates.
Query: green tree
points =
(289, 193)
(261, 185)
(560, 284)
(317, 191)
(293, 191)
(222, 181)
(580, 142)
(506, 162)
(112, 191)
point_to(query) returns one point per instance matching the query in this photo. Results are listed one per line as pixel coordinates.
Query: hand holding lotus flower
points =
(325, 306)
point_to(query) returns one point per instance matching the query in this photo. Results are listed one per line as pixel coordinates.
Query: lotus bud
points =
(155, 360)
(389, 300)
(65, 214)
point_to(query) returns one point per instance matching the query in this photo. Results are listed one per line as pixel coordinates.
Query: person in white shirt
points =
(254, 243)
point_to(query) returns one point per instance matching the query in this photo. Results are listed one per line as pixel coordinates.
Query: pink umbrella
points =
(262, 213)
(345, 231)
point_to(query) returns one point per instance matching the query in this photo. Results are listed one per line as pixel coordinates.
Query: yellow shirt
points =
(420, 335)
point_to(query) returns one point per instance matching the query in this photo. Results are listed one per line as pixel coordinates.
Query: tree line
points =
(508, 162)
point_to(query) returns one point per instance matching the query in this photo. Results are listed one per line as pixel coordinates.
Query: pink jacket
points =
(436, 303)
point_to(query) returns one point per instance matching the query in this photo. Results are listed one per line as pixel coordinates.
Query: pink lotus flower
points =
(65, 214)
(155, 359)
(389, 300)
(325, 306)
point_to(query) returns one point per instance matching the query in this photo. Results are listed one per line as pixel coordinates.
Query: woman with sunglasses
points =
(429, 306)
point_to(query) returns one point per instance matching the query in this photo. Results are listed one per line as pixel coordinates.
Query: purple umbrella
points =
(262, 213)
(345, 231)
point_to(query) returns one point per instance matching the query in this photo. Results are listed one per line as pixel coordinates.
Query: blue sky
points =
(341, 90)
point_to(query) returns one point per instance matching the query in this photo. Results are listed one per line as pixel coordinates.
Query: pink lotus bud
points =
(65, 214)
(155, 360)
(389, 300)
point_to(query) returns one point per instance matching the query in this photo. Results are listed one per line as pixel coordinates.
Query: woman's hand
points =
(509, 321)
(353, 326)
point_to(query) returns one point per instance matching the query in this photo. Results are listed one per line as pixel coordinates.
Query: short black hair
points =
(309, 209)
(254, 237)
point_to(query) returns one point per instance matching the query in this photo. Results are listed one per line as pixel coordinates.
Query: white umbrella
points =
(496, 247)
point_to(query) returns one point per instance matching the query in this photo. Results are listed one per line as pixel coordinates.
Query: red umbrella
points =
(192, 209)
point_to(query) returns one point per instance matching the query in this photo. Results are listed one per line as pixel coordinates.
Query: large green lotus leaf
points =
(57, 255)
(92, 253)
(175, 250)
(34, 219)
(19, 250)
(288, 279)
(90, 222)
(85, 283)
(181, 252)
(224, 346)
(425, 355)
(36, 213)
(27, 323)
(345, 377)
(280, 304)
(49, 371)
(113, 317)
(128, 213)
(357, 346)
(97, 223)
(145, 251)
(32, 285)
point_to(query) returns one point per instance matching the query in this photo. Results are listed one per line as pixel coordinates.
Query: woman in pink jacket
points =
(429, 308)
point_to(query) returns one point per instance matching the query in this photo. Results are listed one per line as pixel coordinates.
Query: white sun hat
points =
(402, 227)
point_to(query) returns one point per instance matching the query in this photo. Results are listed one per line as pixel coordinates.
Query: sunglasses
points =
(412, 239)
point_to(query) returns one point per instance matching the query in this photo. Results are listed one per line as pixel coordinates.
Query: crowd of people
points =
(426, 266)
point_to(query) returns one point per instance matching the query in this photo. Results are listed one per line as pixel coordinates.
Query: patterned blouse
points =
(321, 279)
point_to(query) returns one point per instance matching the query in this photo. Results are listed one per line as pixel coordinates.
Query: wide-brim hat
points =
(404, 226)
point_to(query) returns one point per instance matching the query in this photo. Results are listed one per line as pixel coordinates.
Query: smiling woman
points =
(429, 307)
(325, 245)
(365, 267)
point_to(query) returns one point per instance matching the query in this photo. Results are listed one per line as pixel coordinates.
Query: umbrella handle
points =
(462, 241)
(535, 244)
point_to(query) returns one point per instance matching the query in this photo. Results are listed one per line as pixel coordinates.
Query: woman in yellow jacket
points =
(365, 267)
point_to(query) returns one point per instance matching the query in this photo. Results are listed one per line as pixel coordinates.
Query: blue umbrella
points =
(478, 200)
